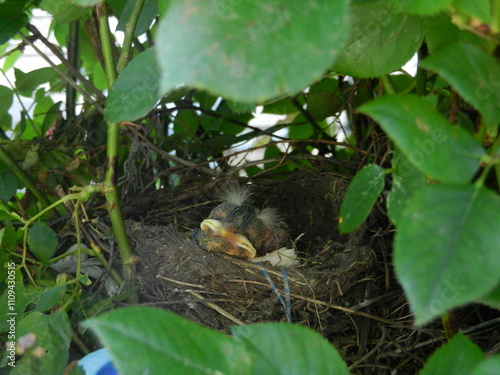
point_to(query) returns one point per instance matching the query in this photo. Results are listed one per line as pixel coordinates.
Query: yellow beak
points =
(240, 245)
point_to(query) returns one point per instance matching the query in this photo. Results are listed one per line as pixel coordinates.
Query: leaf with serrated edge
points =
(144, 338)
(446, 248)
(457, 357)
(249, 51)
(429, 142)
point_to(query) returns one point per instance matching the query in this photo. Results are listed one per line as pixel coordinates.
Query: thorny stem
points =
(129, 35)
(110, 188)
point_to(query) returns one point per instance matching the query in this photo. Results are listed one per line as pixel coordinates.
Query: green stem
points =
(114, 209)
(129, 35)
(450, 324)
(21, 175)
(110, 188)
(388, 86)
(107, 46)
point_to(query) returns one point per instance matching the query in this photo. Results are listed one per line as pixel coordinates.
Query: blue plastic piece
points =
(98, 363)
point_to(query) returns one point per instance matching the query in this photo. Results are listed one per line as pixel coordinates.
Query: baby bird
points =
(237, 228)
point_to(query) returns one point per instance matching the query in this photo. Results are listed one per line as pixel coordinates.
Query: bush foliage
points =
(175, 85)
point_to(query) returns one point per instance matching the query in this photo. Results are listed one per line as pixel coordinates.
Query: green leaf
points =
(489, 366)
(406, 180)
(86, 3)
(53, 334)
(51, 115)
(135, 92)
(163, 6)
(292, 349)
(322, 104)
(63, 12)
(457, 357)
(440, 31)
(49, 297)
(26, 83)
(12, 18)
(381, 40)
(479, 9)
(8, 186)
(493, 298)
(6, 99)
(148, 13)
(246, 50)
(300, 131)
(360, 197)
(280, 107)
(473, 73)
(5, 121)
(9, 238)
(428, 141)
(42, 241)
(450, 235)
(141, 338)
(186, 122)
(420, 7)
(15, 284)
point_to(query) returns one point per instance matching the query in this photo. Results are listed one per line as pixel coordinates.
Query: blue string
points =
(286, 286)
(286, 305)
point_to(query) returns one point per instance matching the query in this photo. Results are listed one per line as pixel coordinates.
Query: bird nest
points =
(343, 287)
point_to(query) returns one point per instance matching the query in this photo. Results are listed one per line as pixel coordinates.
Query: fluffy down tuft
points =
(271, 218)
(235, 194)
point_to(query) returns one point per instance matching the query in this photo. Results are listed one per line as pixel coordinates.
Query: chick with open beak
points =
(237, 228)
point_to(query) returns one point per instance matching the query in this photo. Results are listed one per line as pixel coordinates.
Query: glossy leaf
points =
(450, 235)
(147, 339)
(473, 73)
(421, 7)
(406, 180)
(360, 197)
(381, 40)
(8, 185)
(249, 51)
(135, 92)
(153, 340)
(290, 348)
(457, 357)
(42, 241)
(433, 146)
